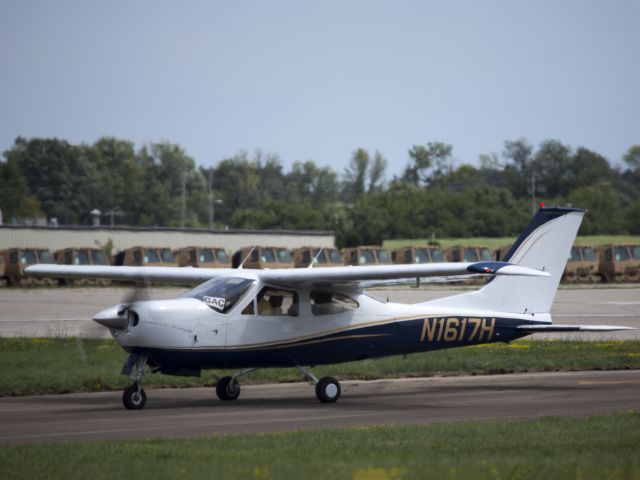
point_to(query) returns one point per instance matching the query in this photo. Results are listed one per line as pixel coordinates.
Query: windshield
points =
(151, 256)
(422, 256)
(267, 255)
(436, 255)
(485, 255)
(222, 293)
(206, 256)
(589, 255)
(319, 256)
(82, 257)
(575, 255)
(98, 257)
(383, 256)
(44, 256)
(366, 257)
(635, 252)
(334, 256)
(167, 255)
(28, 257)
(221, 256)
(284, 255)
(622, 254)
(470, 255)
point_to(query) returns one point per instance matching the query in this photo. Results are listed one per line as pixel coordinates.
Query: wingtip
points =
(505, 268)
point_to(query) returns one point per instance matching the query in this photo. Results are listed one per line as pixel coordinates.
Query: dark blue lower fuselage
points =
(394, 338)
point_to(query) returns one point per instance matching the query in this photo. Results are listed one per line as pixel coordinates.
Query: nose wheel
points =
(134, 397)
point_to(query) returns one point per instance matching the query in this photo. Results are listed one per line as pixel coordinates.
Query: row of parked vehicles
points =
(607, 263)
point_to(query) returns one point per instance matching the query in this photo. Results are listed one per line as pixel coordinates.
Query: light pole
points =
(215, 202)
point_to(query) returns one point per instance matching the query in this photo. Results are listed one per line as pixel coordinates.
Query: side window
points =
(324, 302)
(273, 301)
(249, 309)
(407, 257)
(137, 257)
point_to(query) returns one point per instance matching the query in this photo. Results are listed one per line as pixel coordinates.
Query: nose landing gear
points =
(134, 396)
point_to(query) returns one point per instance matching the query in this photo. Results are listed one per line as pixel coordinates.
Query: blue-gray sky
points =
(316, 80)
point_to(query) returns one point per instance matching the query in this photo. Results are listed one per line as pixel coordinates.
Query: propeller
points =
(124, 314)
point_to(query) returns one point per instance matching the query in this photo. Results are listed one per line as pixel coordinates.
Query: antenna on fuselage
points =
(246, 258)
(316, 257)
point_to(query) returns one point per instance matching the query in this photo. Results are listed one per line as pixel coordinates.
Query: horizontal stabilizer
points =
(551, 328)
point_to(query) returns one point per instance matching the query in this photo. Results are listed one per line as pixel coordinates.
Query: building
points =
(56, 238)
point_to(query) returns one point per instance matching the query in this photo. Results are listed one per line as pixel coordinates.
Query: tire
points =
(134, 398)
(328, 390)
(226, 390)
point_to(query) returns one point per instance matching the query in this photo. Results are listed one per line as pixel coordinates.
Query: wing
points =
(173, 275)
(305, 276)
(291, 276)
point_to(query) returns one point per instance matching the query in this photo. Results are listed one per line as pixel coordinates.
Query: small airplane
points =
(249, 319)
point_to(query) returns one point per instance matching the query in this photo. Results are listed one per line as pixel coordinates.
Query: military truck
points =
(145, 256)
(321, 257)
(424, 254)
(582, 265)
(501, 252)
(366, 255)
(262, 257)
(45, 256)
(468, 253)
(3, 278)
(203, 257)
(82, 256)
(16, 260)
(619, 263)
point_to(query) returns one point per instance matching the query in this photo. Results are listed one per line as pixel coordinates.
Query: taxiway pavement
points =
(284, 407)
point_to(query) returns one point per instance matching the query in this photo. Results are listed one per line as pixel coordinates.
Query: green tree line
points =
(160, 185)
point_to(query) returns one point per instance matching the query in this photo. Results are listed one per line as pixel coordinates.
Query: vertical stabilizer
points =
(544, 245)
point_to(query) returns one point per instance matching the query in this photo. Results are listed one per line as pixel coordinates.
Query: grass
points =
(61, 365)
(604, 447)
(495, 243)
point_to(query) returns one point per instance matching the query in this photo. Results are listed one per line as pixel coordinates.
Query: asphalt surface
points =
(285, 407)
(67, 311)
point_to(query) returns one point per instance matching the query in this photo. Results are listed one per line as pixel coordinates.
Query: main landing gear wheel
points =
(228, 388)
(134, 397)
(328, 390)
